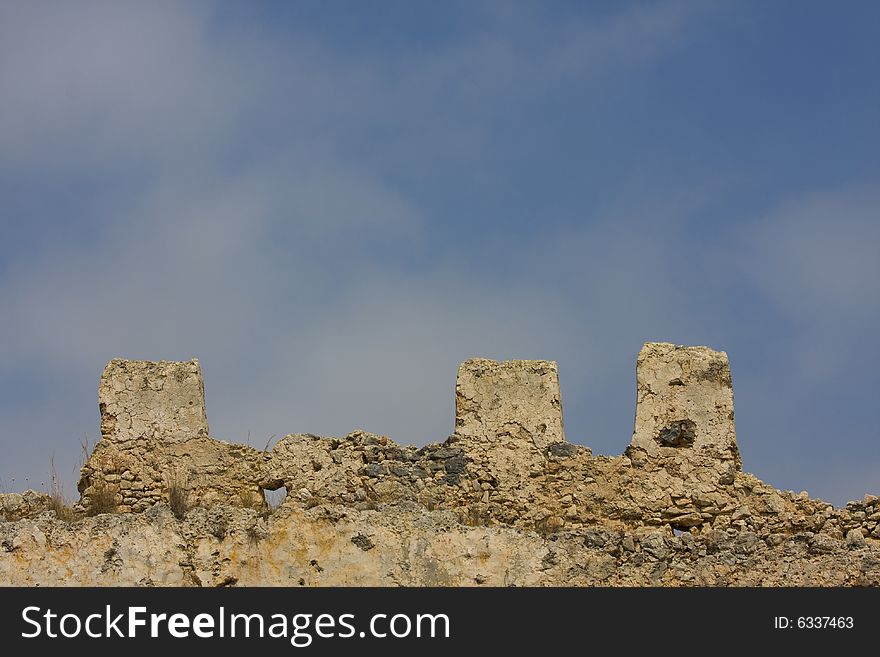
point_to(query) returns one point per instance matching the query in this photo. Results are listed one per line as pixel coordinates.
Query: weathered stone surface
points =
(503, 501)
(15, 506)
(404, 545)
(684, 406)
(507, 415)
(514, 402)
(154, 401)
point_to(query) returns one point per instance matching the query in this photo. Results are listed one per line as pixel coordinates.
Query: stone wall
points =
(406, 545)
(154, 440)
(15, 506)
(504, 500)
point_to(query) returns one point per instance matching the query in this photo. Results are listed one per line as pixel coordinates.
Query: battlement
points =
(675, 508)
(508, 425)
(152, 401)
(684, 408)
(154, 438)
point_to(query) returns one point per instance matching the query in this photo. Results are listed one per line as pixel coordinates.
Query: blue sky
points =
(332, 204)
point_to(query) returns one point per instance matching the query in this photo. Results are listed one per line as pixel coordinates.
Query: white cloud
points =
(815, 260)
(817, 255)
(101, 80)
(634, 35)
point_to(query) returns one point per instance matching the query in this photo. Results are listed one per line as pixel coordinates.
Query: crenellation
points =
(144, 400)
(506, 484)
(515, 402)
(684, 410)
(154, 437)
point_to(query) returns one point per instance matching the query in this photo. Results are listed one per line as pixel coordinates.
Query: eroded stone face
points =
(145, 400)
(684, 407)
(154, 440)
(14, 506)
(507, 416)
(515, 402)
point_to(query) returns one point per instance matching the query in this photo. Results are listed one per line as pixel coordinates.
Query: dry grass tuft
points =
(178, 494)
(57, 501)
(102, 500)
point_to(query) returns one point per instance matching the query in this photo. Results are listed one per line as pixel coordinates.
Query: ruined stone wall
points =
(503, 500)
(407, 545)
(15, 506)
(154, 439)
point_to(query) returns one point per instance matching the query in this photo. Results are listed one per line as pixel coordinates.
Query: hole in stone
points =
(678, 434)
(274, 498)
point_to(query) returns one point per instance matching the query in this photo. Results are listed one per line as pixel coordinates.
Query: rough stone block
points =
(515, 402)
(155, 401)
(684, 405)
